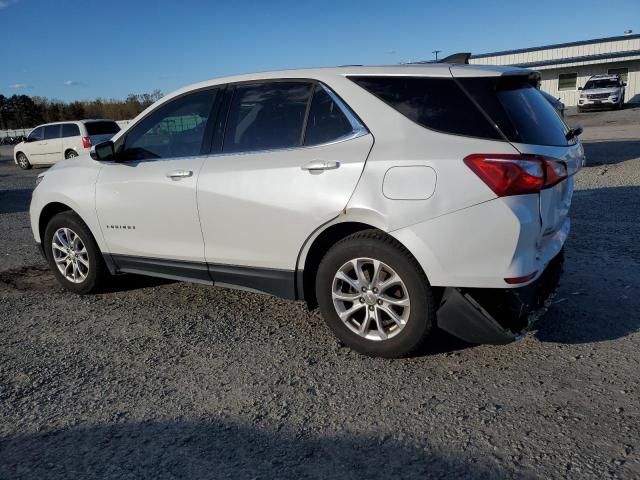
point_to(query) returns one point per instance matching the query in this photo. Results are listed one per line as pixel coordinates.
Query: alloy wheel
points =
(371, 299)
(70, 255)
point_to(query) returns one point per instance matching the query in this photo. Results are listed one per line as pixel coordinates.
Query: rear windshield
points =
(518, 110)
(603, 83)
(102, 128)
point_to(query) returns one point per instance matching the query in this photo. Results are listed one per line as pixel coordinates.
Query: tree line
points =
(23, 111)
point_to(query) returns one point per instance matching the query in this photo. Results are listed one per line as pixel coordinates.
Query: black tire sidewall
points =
(70, 154)
(96, 263)
(421, 317)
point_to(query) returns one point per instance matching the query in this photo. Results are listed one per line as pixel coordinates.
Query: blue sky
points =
(70, 49)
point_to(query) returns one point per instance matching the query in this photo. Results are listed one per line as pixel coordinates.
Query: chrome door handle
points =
(178, 174)
(320, 165)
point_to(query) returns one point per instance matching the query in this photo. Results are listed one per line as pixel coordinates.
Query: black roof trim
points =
(585, 58)
(558, 45)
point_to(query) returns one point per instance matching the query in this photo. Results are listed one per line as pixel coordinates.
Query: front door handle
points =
(320, 165)
(178, 174)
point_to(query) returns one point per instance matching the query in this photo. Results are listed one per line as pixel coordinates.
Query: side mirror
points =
(103, 152)
(577, 130)
(579, 88)
(624, 84)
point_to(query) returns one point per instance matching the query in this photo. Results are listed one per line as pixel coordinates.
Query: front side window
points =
(70, 130)
(567, 81)
(51, 132)
(176, 129)
(266, 116)
(326, 121)
(37, 134)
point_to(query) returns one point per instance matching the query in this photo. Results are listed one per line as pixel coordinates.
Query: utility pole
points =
(436, 53)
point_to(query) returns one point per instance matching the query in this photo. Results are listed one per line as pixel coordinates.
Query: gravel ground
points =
(166, 380)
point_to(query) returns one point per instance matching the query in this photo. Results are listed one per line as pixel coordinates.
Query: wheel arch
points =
(319, 246)
(70, 149)
(48, 212)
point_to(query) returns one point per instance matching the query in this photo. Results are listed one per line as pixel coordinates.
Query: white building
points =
(566, 66)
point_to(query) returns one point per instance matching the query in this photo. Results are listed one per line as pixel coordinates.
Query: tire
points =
(361, 330)
(23, 161)
(91, 271)
(70, 154)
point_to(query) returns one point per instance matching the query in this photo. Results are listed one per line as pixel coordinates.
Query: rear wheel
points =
(374, 296)
(23, 161)
(73, 254)
(70, 154)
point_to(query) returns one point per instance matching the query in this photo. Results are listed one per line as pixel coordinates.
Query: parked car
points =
(52, 142)
(602, 91)
(385, 195)
(555, 102)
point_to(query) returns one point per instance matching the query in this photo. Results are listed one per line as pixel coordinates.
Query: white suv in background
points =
(602, 91)
(52, 142)
(399, 199)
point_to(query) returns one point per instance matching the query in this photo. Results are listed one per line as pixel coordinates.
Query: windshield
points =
(604, 83)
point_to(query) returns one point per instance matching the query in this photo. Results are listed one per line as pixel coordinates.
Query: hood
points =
(601, 90)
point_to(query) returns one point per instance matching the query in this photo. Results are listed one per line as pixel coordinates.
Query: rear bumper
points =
(498, 316)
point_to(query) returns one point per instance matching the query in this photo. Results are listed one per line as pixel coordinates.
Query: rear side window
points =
(70, 130)
(101, 128)
(51, 132)
(326, 121)
(519, 109)
(266, 116)
(435, 103)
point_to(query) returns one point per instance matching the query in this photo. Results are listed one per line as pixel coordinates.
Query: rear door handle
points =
(178, 174)
(316, 165)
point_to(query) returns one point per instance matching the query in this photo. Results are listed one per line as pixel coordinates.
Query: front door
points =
(146, 201)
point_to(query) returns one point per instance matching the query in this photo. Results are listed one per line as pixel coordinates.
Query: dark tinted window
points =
(326, 121)
(70, 130)
(37, 134)
(519, 109)
(51, 132)
(102, 128)
(436, 103)
(266, 116)
(174, 130)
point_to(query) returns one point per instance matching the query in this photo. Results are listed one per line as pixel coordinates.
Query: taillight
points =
(516, 174)
(86, 142)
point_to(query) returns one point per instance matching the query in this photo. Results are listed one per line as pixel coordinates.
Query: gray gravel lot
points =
(166, 380)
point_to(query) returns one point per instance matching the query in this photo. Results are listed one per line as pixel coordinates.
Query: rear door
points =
(534, 127)
(52, 143)
(287, 161)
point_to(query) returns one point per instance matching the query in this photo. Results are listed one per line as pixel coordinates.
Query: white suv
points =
(398, 199)
(602, 91)
(52, 142)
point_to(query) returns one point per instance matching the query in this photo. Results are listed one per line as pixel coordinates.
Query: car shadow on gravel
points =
(15, 201)
(220, 449)
(611, 152)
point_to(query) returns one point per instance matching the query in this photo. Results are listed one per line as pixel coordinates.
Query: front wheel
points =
(23, 161)
(374, 296)
(73, 254)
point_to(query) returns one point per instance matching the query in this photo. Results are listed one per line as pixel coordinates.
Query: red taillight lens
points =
(516, 280)
(86, 142)
(516, 174)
